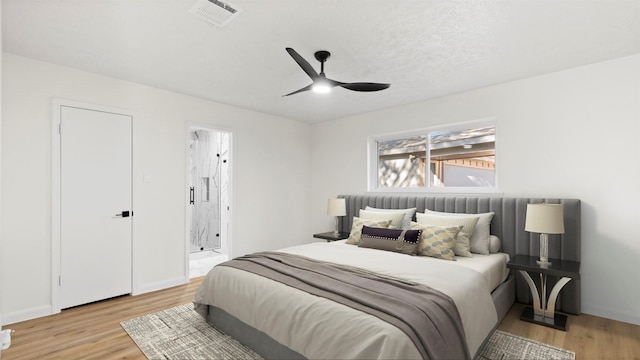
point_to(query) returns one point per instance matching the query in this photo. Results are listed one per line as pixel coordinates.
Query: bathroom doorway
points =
(208, 198)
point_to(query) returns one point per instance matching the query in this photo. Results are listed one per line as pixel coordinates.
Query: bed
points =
(278, 321)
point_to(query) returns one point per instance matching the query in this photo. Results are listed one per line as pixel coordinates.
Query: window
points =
(459, 156)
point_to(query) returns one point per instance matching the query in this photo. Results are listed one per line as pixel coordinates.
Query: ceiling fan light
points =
(321, 87)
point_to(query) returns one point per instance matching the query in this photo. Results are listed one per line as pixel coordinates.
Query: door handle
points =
(125, 214)
(192, 196)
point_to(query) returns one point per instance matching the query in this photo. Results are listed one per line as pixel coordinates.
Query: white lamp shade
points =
(337, 207)
(545, 218)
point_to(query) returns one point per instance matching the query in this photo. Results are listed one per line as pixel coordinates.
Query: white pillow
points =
(462, 247)
(408, 214)
(479, 240)
(494, 244)
(396, 218)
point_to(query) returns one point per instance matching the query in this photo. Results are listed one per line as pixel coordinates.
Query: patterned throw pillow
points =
(463, 246)
(402, 241)
(437, 241)
(356, 228)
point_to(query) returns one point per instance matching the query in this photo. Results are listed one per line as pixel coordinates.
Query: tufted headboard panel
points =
(507, 224)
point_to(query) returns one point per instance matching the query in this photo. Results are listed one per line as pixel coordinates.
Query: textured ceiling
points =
(425, 49)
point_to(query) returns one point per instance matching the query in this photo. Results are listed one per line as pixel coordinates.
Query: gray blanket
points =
(428, 317)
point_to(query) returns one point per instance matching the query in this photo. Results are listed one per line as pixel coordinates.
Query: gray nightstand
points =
(331, 236)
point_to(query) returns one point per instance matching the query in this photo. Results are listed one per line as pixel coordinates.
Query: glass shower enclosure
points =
(208, 183)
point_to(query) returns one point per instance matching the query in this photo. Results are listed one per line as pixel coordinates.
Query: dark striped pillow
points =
(396, 240)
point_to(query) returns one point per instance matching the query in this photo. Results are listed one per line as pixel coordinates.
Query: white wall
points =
(570, 134)
(1, 301)
(559, 135)
(271, 167)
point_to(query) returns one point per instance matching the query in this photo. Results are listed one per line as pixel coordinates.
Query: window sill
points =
(438, 191)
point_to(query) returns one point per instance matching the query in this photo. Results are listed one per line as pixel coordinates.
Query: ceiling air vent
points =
(216, 12)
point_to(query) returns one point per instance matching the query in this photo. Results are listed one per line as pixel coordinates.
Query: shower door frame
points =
(225, 227)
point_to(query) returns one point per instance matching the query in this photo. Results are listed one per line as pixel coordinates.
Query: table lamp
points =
(336, 207)
(544, 219)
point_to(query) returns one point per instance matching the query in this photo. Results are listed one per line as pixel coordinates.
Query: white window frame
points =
(372, 159)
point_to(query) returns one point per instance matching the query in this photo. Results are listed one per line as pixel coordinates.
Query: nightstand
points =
(331, 236)
(543, 311)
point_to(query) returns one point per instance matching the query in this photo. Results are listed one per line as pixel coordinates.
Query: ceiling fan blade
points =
(303, 64)
(335, 83)
(364, 86)
(308, 87)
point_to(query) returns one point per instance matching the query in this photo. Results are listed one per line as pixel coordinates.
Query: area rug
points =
(180, 333)
(503, 345)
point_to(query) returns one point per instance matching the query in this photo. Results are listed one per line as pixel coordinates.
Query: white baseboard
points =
(146, 288)
(46, 310)
(612, 315)
(27, 314)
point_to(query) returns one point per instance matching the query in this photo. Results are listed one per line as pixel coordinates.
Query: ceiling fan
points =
(321, 83)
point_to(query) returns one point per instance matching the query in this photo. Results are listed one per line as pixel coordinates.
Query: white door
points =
(95, 205)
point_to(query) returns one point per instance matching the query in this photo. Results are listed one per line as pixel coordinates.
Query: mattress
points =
(493, 267)
(310, 325)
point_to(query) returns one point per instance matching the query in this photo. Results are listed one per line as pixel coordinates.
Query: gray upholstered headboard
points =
(507, 224)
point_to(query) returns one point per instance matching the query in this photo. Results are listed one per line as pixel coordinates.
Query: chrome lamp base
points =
(544, 251)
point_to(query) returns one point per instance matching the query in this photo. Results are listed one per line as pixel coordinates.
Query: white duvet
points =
(319, 328)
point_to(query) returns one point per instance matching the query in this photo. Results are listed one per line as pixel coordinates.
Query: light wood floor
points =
(93, 331)
(590, 337)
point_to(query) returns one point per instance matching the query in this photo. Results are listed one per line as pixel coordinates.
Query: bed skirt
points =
(249, 336)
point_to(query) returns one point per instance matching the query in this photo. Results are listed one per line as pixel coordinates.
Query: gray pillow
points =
(402, 241)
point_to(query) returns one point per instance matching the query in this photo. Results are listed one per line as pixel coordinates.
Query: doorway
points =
(208, 203)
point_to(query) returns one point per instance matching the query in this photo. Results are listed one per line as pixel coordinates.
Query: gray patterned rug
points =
(180, 333)
(503, 345)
